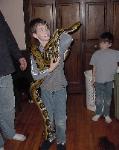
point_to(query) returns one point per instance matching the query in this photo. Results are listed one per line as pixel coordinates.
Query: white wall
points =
(13, 13)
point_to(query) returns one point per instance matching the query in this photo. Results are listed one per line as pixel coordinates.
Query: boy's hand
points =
(53, 64)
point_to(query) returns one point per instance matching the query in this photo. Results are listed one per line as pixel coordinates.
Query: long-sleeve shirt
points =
(56, 79)
(8, 48)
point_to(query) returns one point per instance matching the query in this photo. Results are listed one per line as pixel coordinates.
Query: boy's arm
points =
(93, 62)
(66, 54)
(93, 74)
(37, 74)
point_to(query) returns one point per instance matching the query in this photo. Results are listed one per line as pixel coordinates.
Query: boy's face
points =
(42, 33)
(105, 44)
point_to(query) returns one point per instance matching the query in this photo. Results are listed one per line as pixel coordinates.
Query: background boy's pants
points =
(55, 103)
(103, 97)
(7, 112)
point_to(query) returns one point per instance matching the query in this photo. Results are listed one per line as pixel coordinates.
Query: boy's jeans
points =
(55, 103)
(103, 98)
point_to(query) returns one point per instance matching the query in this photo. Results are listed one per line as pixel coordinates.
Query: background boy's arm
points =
(93, 75)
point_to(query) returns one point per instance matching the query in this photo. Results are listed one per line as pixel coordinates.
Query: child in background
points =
(105, 63)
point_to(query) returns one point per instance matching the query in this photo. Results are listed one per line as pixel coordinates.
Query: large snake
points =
(43, 60)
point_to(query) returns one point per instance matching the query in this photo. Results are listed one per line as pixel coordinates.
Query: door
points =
(68, 13)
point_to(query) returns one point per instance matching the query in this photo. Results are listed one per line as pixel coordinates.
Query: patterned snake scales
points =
(43, 60)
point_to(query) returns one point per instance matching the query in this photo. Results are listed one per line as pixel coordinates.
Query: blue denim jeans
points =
(103, 98)
(55, 103)
(7, 113)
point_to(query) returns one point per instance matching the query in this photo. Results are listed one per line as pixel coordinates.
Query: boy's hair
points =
(34, 23)
(107, 37)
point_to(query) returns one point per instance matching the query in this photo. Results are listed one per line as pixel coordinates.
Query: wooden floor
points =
(82, 133)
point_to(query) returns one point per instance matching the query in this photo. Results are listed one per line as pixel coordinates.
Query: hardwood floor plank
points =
(82, 132)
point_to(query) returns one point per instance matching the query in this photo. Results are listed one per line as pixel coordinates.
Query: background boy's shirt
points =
(105, 62)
